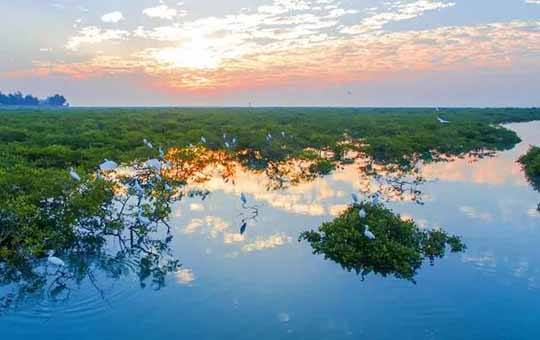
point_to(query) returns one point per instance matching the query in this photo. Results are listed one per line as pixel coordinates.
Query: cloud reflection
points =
(271, 242)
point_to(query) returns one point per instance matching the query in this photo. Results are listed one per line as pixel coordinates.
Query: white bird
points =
(227, 145)
(153, 164)
(55, 260)
(368, 234)
(282, 133)
(355, 198)
(234, 140)
(108, 165)
(269, 137)
(161, 152)
(203, 140)
(243, 198)
(224, 136)
(148, 144)
(74, 174)
(362, 213)
(442, 121)
(190, 145)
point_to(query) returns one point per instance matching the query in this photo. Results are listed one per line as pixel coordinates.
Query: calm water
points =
(266, 285)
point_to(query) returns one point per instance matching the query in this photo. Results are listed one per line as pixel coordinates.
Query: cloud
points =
(163, 12)
(291, 43)
(113, 17)
(532, 2)
(271, 242)
(473, 213)
(95, 35)
(398, 11)
(196, 207)
(185, 276)
(533, 212)
(193, 226)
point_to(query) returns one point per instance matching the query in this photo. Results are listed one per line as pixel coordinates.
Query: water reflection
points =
(125, 232)
(131, 232)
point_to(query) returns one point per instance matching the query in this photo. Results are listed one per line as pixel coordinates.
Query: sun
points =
(197, 53)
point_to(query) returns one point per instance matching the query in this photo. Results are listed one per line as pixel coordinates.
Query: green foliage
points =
(531, 164)
(399, 249)
(86, 136)
(39, 204)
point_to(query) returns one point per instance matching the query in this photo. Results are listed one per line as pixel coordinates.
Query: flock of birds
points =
(109, 165)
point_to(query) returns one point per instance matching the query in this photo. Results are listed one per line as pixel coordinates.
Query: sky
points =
(274, 52)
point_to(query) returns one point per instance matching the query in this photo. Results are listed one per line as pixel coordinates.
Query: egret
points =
(442, 121)
(108, 165)
(355, 198)
(227, 145)
(269, 137)
(224, 136)
(234, 140)
(203, 140)
(368, 234)
(243, 198)
(362, 213)
(55, 260)
(74, 174)
(148, 144)
(153, 164)
(161, 152)
(282, 133)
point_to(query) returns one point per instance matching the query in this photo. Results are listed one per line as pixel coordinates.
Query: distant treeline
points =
(18, 99)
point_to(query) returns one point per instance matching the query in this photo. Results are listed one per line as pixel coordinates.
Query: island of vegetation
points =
(18, 99)
(531, 165)
(397, 247)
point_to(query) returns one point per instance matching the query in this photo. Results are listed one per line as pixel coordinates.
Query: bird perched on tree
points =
(74, 175)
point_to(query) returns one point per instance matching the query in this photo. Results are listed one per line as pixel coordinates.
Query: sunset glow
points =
(201, 53)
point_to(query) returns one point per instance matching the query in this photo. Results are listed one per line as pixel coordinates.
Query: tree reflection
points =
(399, 248)
(114, 225)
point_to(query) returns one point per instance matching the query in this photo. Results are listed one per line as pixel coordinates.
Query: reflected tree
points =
(114, 224)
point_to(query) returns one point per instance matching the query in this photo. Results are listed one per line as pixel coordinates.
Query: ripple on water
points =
(87, 301)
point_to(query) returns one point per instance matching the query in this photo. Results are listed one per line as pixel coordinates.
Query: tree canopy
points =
(18, 99)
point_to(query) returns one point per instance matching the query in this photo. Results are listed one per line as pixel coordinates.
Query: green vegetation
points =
(531, 164)
(399, 249)
(83, 137)
(38, 146)
(77, 221)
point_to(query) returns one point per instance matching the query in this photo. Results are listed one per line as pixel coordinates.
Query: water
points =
(266, 285)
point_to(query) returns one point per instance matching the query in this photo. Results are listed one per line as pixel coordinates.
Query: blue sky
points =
(274, 52)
